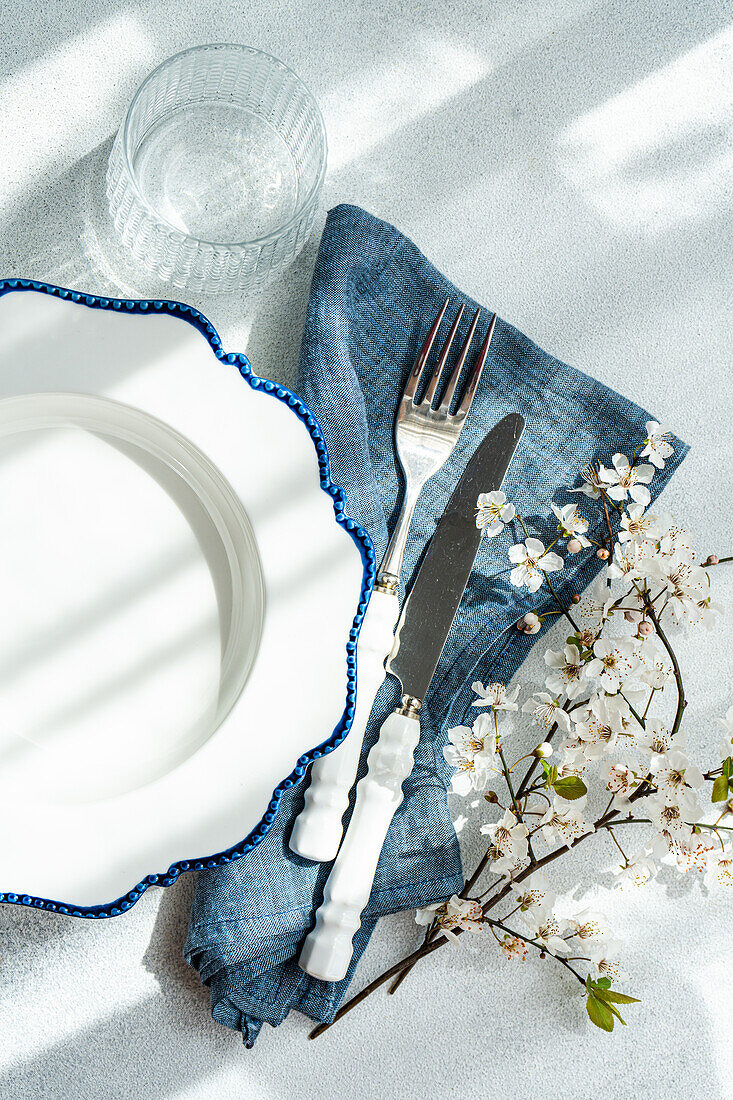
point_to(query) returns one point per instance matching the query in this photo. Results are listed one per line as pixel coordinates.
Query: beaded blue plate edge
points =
(360, 537)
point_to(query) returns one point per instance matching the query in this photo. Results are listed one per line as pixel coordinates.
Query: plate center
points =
(132, 597)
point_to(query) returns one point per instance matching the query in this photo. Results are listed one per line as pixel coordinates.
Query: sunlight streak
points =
(372, 105)
(68, 93)
(661, 151)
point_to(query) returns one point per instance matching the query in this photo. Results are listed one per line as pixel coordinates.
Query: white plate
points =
(181, 593)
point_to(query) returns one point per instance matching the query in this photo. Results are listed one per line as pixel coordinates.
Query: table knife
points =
(426, 621)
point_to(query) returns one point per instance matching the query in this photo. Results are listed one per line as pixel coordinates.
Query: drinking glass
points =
(215, 175)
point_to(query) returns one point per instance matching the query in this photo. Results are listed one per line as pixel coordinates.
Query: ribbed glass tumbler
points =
(215, 175)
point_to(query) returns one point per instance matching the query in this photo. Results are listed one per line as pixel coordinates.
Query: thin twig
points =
(711, 564)
(681, 700)
(564, 610)
(539, 946)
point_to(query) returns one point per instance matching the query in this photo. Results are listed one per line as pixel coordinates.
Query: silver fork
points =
(425, 437)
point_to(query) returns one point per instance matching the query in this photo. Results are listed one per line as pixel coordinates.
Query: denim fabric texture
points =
(373, 297)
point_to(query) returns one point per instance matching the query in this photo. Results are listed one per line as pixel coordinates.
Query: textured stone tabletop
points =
(569, 163)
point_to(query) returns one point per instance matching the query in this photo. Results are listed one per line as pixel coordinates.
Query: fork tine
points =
(450, 389)
(475, 378)
(416, 373)
(438, 372)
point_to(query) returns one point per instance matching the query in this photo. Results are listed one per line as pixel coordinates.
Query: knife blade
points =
(429, 610)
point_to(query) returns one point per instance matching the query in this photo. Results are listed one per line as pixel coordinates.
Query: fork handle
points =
(391, 567)
(317, 830)
(328, 949)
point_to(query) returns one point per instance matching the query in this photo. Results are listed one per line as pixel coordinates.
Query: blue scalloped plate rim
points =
(358, 534)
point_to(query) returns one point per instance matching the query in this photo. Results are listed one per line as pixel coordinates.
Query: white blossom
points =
(604, 961)
(495, 696)
(637, 871)
(594, 607)
(612, 709)
(687, 586)
(638, 525)
(514, 947)
(451, 914)
(589, 927)
(546, 711)
(675, 778)
(654, 668)
(612, 663)
(621, 782)
(547, 930)
(531, 560)
(656, 445)
(564, 821)
(720, 867)
(693, 854)
(597, 727)
(534, 894)
(592, 482)
(492, 512)
(627, 558)
(508, 843)
(571, 524)
(472, 753)
(672, 822)
(625, 480)
(567, 671)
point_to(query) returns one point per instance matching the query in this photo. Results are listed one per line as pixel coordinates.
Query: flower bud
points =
(575, 598)
(491, 796)
(543, 750)
(712, 559)
(629, 616)
(603, 554)
(530, 619)
(646, 628)
(574, 546)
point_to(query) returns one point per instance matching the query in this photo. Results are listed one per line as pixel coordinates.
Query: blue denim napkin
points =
(373, 297)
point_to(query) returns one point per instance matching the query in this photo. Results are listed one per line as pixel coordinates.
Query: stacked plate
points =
(181, 592)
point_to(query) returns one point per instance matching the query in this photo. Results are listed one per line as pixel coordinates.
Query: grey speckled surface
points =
(568, 163)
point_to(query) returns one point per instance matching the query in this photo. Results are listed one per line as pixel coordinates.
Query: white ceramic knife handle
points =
(317, 830)
(328, 949)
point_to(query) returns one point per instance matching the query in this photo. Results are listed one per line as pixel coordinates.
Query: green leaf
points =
(727, 767)
(616, 1013)
(602, 983)
(617, 998)
(720, 789)
(570, 787)
(600, 1014)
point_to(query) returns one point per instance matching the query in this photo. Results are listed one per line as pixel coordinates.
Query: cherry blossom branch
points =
(427, 948)
(462, 912)
(536, 944)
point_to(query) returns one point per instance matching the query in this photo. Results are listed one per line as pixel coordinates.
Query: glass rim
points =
(301, 208)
